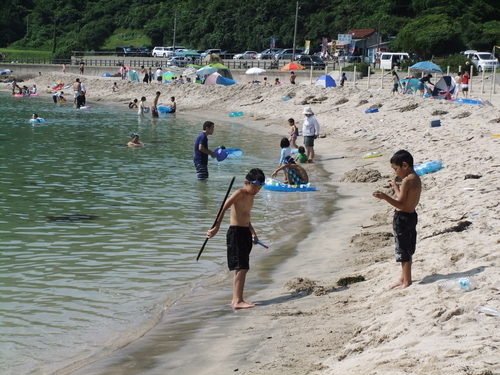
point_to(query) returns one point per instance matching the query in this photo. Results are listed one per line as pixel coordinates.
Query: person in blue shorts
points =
(201, 151)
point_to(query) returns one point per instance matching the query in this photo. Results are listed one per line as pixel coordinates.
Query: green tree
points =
(430, 35)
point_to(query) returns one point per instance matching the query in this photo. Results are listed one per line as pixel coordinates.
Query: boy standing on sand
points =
(240, 235)
(201, 151)
(405, 218)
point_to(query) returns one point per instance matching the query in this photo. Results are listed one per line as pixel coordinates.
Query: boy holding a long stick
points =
(241, 234)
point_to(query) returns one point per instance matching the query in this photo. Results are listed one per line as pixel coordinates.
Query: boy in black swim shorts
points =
(241, 234)
(405, 218)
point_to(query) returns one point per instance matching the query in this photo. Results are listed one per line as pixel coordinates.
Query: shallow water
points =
(98, 241)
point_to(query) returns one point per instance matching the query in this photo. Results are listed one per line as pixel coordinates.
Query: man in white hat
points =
(310, 131)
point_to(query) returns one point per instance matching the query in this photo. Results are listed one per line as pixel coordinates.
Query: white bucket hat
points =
(307, 111)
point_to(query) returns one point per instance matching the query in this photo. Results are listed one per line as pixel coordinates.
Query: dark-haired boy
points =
(241, 234)
(405, 218)
(201, 150)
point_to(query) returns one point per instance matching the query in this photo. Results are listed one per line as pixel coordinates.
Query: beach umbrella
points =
(6, 71)
(206, 70)
(292, 66)
(426, 66)
(255, 71)
(325, 81)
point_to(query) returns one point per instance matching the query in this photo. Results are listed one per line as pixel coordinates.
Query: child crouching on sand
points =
(405, 218)
(240, 234)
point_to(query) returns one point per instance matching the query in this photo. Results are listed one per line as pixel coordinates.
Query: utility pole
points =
(54, 43)
(295, 30)
(175, 28)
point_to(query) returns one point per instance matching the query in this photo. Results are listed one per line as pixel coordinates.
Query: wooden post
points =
(354, 78)
(311, 75)
(448, 70)
(495, 80)
(482, 83)
(470, 79)
(369, 75)
(382, 79)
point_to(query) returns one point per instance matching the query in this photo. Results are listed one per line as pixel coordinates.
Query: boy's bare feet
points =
(400, 284)
(396, 284)
(242, 305)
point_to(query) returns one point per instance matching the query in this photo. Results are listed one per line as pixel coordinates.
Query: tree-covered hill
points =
(427, 27)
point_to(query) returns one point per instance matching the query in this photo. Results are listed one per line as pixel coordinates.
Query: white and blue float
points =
(275, 185)
(38, 119)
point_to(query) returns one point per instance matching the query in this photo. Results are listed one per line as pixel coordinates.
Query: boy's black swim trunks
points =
(239, 245)
(404, 225)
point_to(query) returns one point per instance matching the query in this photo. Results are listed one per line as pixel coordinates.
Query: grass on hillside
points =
(12, 54)
(126, 38)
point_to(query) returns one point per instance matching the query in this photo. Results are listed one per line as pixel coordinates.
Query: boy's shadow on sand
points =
(433, 278)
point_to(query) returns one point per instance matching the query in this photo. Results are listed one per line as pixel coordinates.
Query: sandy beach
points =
(306, 323)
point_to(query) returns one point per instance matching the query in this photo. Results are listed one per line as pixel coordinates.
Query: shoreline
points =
(364, 328)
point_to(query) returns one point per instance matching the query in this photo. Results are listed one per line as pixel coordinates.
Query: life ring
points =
(275, 185)
(39, 119)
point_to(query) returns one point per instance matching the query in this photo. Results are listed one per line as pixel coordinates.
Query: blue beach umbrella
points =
(426, 66)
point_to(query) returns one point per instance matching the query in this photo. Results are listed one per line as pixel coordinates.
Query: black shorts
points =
(404, 225)
(239, 245)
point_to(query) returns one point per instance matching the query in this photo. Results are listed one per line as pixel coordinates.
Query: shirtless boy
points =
(135, 141)
(240, 234)
(405, 218)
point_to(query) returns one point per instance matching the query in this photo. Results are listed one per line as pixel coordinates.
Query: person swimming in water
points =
(135, 140)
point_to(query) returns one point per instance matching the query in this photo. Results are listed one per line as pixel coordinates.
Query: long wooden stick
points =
(215, 222)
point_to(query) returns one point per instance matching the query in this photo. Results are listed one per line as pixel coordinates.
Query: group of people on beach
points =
(461, 84)
(241, 234)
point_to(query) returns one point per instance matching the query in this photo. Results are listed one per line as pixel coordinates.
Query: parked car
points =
(165, 51)
(125, 51)
(483, 61)
(179, 61)
(314, 61)
(267, 54)
(287, 53)
(212, 50)
(245, 55)
(144, 51)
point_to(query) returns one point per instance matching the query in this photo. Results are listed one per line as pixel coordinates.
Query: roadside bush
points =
(456, 61)
(360, 68)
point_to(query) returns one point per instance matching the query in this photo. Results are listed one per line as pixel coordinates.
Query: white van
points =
(482, 60)
(388, 60)
(165, 51)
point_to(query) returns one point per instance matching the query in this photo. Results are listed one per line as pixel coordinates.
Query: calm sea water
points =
(98, 240)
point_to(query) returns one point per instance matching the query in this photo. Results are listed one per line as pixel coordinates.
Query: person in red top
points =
(465, 83)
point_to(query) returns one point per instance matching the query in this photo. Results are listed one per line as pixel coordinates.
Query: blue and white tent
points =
(326, 81)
